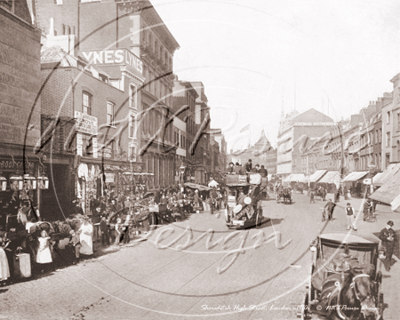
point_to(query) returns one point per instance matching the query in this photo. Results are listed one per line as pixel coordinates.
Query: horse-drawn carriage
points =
(345, 279)
(284, 195)
(249, 213)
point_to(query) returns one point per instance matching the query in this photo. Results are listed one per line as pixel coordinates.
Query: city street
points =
(206, 278)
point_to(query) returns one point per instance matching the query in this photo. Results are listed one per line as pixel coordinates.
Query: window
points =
(398, 121)
(132, 126)
(132, 97)
(132, 153)
(86, 103)
(110, 113)
(387, 139)
(388, 117)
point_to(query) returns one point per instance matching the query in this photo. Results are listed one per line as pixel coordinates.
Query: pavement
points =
(186, 271)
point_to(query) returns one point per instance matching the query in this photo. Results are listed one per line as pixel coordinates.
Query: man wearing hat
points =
(389, 239)
(366, 209)
(249, 166)
(330, 206)
(231, 168)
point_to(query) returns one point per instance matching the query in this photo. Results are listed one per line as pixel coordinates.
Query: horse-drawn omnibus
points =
(345, 279)
(249, 213)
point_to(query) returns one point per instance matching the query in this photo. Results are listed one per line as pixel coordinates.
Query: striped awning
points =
(355, 176)
(390, 190)
(386, 175)
(317, 175)
(331, 177)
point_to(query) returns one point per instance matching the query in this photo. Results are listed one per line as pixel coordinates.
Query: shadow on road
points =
(271, 222)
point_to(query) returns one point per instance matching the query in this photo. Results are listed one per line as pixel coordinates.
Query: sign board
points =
(85, 123)
(79, 145)
(116, 57)
(110, 177)
(367, 181)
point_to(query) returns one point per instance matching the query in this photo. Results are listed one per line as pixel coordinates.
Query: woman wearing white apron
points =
(86, 239)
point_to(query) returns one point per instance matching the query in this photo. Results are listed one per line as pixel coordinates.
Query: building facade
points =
(294, 130)
(20, 167)
(134, 46)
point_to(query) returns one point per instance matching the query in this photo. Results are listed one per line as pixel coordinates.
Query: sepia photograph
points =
(199, 159)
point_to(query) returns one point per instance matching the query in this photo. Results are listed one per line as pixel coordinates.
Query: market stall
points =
(354, 183)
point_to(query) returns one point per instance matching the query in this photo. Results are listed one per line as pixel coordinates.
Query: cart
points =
(250, 214)
(335, 269)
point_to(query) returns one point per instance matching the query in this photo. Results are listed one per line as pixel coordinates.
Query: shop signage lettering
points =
(85, 123)
(120, 56)
(9, 164)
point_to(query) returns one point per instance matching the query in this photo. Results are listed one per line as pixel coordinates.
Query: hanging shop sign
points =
(110, 177)
(85, 123)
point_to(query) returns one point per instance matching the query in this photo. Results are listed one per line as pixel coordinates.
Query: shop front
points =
(110, 180)
(19, 183)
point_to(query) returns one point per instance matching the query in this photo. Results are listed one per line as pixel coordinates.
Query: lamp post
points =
(182, 169)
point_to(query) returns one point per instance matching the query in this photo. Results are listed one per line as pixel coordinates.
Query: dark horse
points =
(351, 299)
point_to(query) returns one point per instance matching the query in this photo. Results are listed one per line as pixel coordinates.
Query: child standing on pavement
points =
(44, 252)
(350, 213)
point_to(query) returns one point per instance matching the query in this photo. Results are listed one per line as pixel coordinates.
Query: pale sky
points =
(255, 56)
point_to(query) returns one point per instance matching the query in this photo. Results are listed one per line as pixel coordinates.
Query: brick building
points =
(19, 107)
(127, 41)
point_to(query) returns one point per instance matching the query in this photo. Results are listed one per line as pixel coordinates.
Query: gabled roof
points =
(312, 115)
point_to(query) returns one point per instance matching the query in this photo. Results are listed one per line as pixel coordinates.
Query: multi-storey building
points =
(294, 128)
(19, 107)
(260, 153)
(79, 113)
(202, 163)
(129, 42)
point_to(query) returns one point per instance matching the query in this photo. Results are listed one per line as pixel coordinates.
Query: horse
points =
(353, 298)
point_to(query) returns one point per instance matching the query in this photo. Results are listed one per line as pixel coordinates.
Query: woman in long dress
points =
(86, 239)
(4, 269)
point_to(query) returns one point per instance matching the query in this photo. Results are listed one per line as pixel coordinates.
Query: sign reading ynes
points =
(120, 56)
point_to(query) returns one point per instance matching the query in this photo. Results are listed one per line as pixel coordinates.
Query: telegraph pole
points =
(341, 158)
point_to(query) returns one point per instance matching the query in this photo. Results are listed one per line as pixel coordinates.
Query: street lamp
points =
(182, 169)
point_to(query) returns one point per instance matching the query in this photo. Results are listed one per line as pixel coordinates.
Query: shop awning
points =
(317, 175)
(390, 190)
(298, 177)
(288, 178)
(384, 176)
(395, 203)
(355, 176)
(331, 177)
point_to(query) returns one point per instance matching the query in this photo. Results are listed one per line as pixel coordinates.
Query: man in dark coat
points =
(249, 166)
(389, 239)
(256, 169)
(77, 209)
(330, 206)
(366, 208)
(263, 171)
(231, 168)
